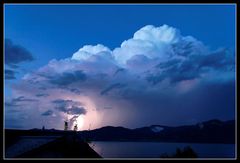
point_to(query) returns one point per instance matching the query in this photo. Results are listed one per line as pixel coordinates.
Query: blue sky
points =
(56, 31)
(174, 51)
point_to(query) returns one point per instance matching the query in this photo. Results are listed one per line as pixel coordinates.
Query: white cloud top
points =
(153, 42)
(88, 50)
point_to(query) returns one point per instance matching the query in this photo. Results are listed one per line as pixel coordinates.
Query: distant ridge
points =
(212, 131)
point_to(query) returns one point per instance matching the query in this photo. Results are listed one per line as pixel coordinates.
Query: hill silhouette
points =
(213, 131)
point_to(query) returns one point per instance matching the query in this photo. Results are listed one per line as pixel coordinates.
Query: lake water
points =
(156, 149)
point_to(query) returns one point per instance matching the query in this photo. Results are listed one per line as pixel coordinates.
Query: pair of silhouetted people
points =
(66, 126)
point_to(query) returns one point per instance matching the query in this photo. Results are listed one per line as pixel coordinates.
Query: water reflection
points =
(156, 149)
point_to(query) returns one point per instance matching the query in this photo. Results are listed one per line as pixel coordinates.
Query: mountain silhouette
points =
(213, 131)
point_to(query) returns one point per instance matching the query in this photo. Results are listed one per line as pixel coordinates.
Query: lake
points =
(155, 149)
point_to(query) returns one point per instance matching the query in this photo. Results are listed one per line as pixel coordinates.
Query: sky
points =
(118, 65)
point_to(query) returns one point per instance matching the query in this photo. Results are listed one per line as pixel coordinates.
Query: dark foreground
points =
(37, 143)
(25, 144)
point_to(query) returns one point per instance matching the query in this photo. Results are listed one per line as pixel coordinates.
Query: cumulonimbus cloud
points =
(150, 70)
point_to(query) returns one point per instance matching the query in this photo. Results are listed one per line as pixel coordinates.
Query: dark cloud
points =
(11, 104)
(42, 95)
(219, 60)
(119, 70)
(154, 78)
(9, 74)
(167, 64)
(187, 47)
(66, 78)
(111, 87)
(16, 102)
(23, 99)
(176, 70)
(61, 105)
(191, 67)
(76, 110)
(204, 102)
(61, 101)
(185, 71)
(47, 113)
(15, 54)
(69, 107)
(75, 90)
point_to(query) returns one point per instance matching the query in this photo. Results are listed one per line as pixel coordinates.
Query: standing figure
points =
(65, 125)
(75, 127)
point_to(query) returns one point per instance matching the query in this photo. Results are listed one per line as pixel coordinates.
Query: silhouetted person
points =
(65, 125)
(75, 128)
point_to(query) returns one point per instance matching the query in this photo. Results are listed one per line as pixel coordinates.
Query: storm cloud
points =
(15, 54)
(67, 78)
(47, 113)
(23, 99)
(69, 107)
(111, 87)
(42, 95)
(154, 77)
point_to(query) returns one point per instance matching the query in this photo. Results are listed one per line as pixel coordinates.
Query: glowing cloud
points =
(150, 76)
